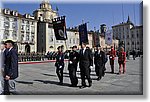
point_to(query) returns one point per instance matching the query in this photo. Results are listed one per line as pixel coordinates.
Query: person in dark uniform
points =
(99, 61)
(60, 64)
(85, 64)
(112, 55)
(72, 66)
(11, 65)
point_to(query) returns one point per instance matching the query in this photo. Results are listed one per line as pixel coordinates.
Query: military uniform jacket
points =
(99, 58)
(11, 63)
(85, 59)
(74, 57)
(59, 59)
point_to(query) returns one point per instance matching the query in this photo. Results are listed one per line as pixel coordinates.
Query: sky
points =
(95, 13)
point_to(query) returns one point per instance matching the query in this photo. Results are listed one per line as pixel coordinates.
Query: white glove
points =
(74, 58)
(60, 66)
(70, 62)
(91, 67)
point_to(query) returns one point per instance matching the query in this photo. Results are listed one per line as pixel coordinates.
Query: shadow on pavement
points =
(52, 82)
(24, 82)
(49, 75)
(111, 73)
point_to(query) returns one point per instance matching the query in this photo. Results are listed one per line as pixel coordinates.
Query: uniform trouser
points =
(122, 64)
(99, 71)
(112, 65)
(133, 57)
(59, 72)
(72, 73)
(104, 68)
(6, 87)
(85, 73)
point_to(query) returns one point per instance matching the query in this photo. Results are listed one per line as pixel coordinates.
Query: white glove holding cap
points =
(70, 62)
(60, 66)
(91, 67)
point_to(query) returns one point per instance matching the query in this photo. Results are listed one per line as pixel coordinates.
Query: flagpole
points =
(66, 45)
(134, 24)
(124, 29)
(93, 37)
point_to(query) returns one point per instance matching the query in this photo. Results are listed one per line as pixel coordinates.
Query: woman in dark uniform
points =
(60, 64)
(72, 67)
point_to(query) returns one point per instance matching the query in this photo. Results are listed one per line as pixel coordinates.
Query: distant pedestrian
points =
(122, 60)
(60, 64)
(134, 54)
(128, 55)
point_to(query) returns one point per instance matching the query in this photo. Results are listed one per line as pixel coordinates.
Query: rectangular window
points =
(73, 40)
(22, 21)
(27, 28)
(28, 22)
(22, 27)
(15, 19)
(70, 40)
(32, 23)
(132, 36)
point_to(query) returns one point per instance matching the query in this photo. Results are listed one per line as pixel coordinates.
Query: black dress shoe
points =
(99, 78)
(90, 84)
(73, 85)
(60, 83)
(81, 87)
(112, 72)
(6, 93)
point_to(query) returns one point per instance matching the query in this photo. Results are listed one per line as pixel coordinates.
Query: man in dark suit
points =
(85, 64)
(72, 66)
(11, 65)
(99, 61)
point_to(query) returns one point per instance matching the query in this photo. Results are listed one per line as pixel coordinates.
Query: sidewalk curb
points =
(38, 62)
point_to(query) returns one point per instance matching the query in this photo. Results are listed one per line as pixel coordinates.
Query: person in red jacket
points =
(122, 60)
(112, 55)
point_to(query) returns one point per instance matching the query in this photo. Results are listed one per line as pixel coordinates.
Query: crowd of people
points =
(86, 58)
(35, 56)
(83, 57)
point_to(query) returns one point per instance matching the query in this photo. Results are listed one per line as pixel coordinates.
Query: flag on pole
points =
(96, 40)
(108, 37)
(59, 26)
(83, 35)
(56, 8)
